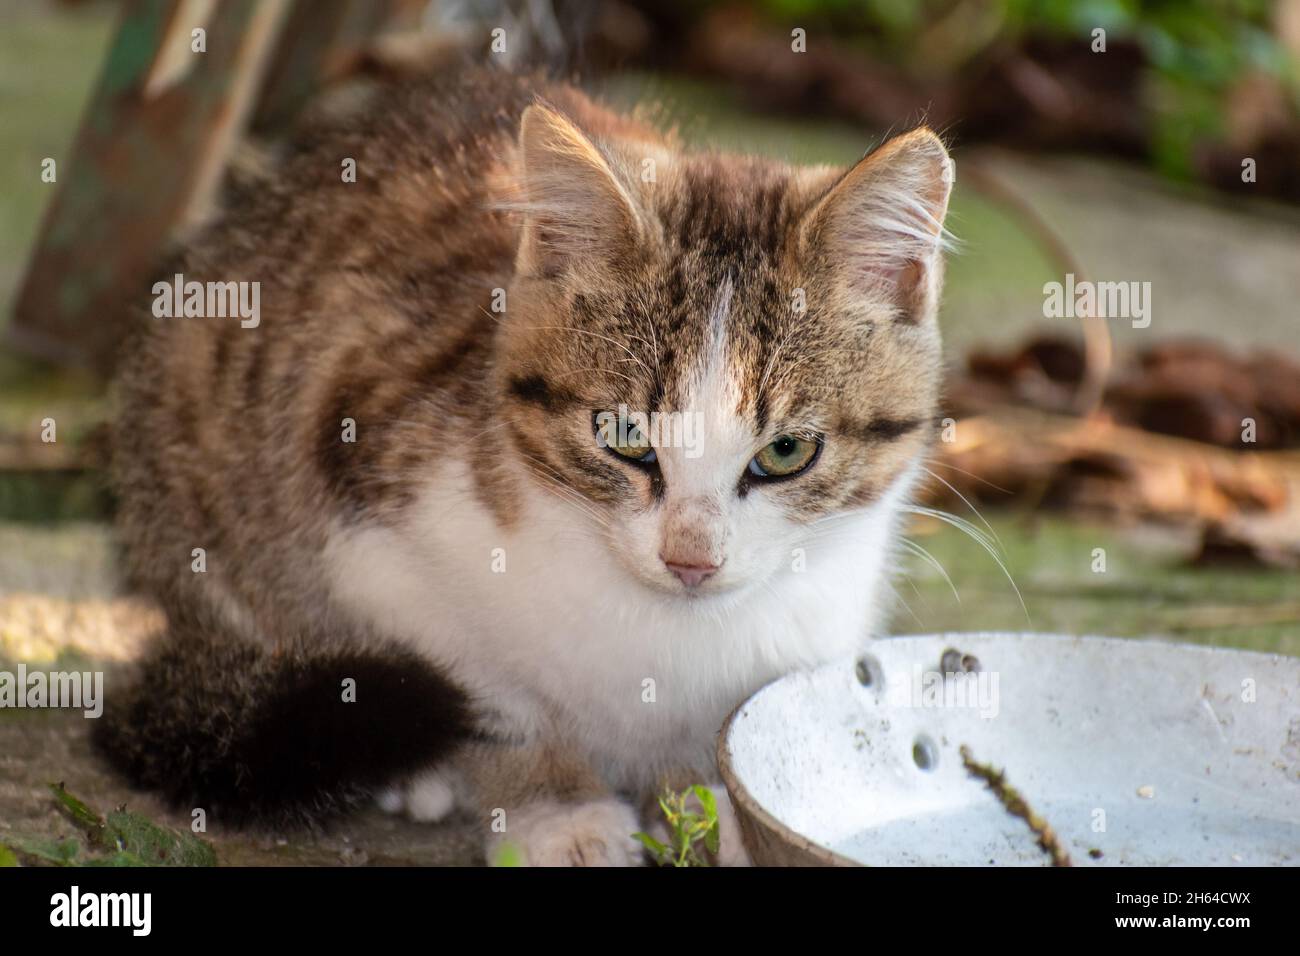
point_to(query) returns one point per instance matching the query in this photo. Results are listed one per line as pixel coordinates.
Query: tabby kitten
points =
(552, 444)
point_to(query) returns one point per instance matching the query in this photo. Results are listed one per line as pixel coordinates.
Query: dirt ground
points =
(60, 608)
(39, 747)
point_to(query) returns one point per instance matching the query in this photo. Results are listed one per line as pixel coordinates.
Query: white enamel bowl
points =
(1134, 751)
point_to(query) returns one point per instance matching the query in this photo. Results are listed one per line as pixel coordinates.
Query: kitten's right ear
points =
(879, 228)
(577, 208)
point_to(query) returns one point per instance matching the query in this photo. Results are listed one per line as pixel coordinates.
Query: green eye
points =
(785, 457)
(623, 438)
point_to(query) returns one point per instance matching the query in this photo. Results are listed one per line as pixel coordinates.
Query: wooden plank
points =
(140, 166)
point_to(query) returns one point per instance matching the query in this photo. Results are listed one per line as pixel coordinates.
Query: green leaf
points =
(686, 828)
(508, 855)
(651, 844)
(7, 856)
(140, 837)
(58, 852)
(707, 800)
(80, 814)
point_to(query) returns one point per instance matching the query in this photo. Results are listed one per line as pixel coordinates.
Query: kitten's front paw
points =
(592, 833)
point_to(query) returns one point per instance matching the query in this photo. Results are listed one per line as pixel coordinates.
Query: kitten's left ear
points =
(879, 228)
(577, 206)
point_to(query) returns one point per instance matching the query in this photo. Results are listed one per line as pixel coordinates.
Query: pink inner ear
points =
(883, 222)
(904, 285)
(889, 276)
(889, 240)
(896, 279)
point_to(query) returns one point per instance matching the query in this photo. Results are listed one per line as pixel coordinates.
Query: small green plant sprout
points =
(688, 829)
(507, 854)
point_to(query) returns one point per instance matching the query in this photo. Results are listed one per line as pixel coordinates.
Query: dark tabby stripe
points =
(883, 429)
(536, 390)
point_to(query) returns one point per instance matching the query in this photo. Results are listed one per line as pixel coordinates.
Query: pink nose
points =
(692, 575)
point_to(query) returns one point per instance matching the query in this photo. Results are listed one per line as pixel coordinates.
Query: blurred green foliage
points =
(1196, 50)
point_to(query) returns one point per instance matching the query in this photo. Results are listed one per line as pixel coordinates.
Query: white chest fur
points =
(551, 635)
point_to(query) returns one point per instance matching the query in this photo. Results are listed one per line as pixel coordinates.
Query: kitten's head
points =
(707, 355)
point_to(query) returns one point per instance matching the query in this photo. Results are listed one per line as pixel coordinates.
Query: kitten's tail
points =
(253, 736)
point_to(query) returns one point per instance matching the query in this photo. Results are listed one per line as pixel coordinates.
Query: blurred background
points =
(1100, 478)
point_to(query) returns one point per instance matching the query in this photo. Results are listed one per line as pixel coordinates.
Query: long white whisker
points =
(903, 601)
(957, 521)
(966, 500)
(563, 491)
(976, 535)
(969, 474)
(931, 560)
